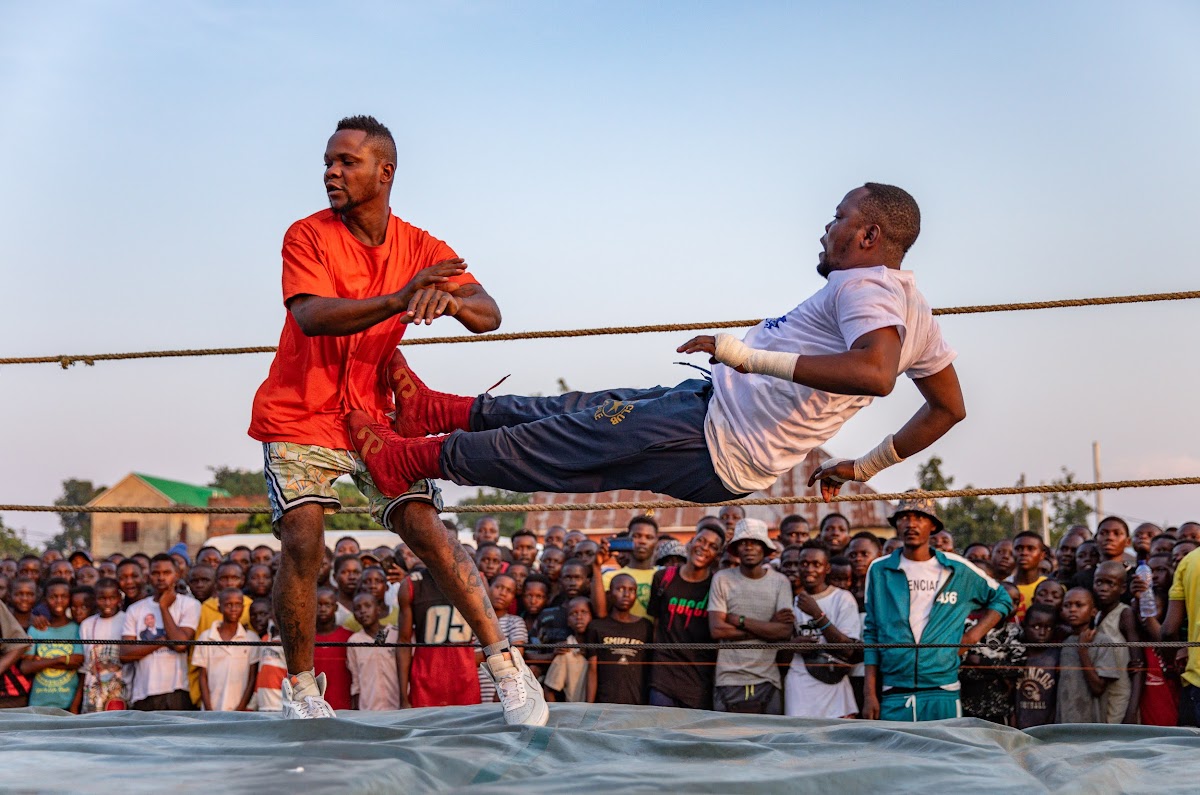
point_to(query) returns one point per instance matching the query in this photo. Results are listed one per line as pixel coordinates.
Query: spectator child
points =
(330, 661)
(1085, 672)
(227, 673)
(272, 667)
(489, 560)
(55, 655)
(571, 583)
(550, 566)
(259, 581)
(373, 581)
(83, 602)
(503, 593)
(1037, 687)
(1050, 593)
(87, 575)
(374, 672)
(347, 571)
(533, 599)
(202, 581)
(105, 678)
(132, 582)
(567, 674)
(991, 668)
(1161, 687)
(1114, 623)
(841, 573)
(618, 675)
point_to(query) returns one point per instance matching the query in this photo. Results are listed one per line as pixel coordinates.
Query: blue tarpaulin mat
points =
(585, 748)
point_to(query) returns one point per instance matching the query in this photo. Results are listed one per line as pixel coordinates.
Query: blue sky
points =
(602, 163)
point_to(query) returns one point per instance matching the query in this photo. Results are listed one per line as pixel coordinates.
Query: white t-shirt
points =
(925, 578)
(805, 696)
(228, 667)
(759, 426)
(374, 673)
(165, 670)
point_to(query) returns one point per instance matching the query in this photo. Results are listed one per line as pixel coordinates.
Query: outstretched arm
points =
(944, 408)
(868, 368)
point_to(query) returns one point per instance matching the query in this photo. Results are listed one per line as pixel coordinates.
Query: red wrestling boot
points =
(419, 410)
(395, 463)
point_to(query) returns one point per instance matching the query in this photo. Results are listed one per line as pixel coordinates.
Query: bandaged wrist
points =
(883, 456)
(734, 353)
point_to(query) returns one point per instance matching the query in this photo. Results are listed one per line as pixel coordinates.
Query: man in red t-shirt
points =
(354, 277)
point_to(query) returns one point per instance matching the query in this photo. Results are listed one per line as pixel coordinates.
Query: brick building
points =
(681, 521)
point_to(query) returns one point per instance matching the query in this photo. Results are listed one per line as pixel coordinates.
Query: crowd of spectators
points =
(733, 585)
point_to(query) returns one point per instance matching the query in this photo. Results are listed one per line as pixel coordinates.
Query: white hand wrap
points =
(874, 462)
(831, 465)
(732, 352)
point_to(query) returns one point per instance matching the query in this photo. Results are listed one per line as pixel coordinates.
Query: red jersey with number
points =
(439, 677)
(314, 381)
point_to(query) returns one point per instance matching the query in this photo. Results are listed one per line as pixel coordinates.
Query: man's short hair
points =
(479, 522)
(817, 544)
(1028, 534)
(866, 535)
(162, 557)
(106, 582)
(382, 142)
(643, 519)
(342, 560)
(131, 562)
(895, 211)
(1116, 519)
(790, 519)
(827, 518)
(538, 577)
(1038, 608)
(524, 531)
(229, 592)
(840, 560)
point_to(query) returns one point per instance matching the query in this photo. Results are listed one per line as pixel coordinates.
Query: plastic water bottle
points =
(1147, 604)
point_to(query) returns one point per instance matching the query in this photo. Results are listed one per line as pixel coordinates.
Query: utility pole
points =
(1024, 506)
(1045, 522)
(1096, 479)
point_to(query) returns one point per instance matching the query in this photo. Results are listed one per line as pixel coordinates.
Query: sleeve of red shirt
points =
(431, 251)
(304, 271)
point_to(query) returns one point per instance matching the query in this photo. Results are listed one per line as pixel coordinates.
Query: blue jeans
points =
(585, 442)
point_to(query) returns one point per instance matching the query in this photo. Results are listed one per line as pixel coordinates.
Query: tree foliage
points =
(12, 542)
(509, 522)
(77, 527)
(238, 482)
(983, 519)
(350, 498)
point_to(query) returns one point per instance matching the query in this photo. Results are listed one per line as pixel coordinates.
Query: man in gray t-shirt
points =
(749, 604)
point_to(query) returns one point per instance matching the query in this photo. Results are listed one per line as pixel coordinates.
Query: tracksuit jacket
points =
(966, 590)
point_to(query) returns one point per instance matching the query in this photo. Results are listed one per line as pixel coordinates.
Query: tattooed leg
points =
(452, 568)
(302, 533)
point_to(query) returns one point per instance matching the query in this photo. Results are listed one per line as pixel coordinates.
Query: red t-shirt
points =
(331, 661)
(314, 381)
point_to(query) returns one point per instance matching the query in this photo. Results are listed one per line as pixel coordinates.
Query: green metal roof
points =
(183, 493)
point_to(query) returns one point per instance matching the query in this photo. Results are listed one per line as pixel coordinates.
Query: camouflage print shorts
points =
(303, 473)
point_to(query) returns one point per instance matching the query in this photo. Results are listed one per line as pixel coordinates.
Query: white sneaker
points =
(304, 697)
(520, 693)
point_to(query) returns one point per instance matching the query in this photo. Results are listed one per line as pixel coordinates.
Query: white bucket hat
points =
(752, 530)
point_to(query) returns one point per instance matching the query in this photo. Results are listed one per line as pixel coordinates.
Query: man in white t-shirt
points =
(824, 614)
(161, 678)
(784, 389)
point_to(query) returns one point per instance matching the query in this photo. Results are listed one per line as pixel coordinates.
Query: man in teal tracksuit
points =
(920, 595)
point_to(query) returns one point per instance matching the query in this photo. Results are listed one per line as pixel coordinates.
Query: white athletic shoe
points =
(304, 697)
(522, 697)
